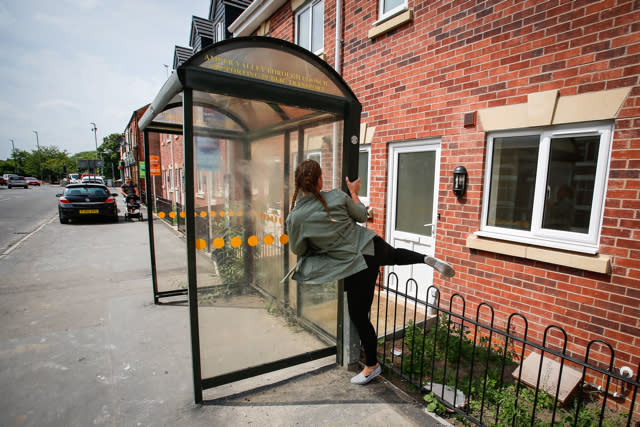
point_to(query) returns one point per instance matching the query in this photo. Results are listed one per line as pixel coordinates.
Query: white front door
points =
(414, 171)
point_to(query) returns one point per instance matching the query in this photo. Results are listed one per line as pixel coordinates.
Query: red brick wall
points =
(282, 24)
(166, 148)
(417, 81)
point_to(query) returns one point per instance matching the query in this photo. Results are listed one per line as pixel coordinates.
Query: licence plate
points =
(88, 211)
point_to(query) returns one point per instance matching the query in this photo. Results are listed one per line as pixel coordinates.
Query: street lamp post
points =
(39, 157)
(13, 154)
(95, 137)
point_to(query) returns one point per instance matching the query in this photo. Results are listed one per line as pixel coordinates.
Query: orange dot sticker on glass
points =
(172, 214)
(218, 242)
(203, 214)
(284, 239)
(231, 213)
(252, 241)
(201, 244)
(183, 214)
(236, 242)
(161, 215)
(221, 213)
(268, 239)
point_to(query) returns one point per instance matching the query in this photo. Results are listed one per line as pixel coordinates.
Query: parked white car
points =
(93, 180)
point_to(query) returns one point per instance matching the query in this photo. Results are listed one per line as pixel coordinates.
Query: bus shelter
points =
(222, 140)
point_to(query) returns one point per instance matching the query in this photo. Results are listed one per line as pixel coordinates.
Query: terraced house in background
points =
(531, 110)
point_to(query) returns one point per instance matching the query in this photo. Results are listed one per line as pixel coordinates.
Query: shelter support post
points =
(191, 242)
(152, 247)
(347, 336)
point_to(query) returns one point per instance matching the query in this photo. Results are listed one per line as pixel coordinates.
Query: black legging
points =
(360, 289)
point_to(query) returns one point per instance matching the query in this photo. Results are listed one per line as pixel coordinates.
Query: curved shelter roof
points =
(251, 86)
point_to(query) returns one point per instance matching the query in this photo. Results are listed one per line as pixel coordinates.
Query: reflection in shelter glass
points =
(168, 195)
(247, 315)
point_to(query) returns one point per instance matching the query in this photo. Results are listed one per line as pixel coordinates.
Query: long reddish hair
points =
(306, 179)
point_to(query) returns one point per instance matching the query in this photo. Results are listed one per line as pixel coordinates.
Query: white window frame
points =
(365, 198)
(309, 7)
(382, 16)
(200, 182)
(219, 31)
(308, 155)
(565, 240)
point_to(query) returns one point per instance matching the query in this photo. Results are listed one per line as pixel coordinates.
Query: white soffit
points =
(253, 16)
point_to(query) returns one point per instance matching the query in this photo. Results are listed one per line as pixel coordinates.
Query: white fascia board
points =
(253, 16)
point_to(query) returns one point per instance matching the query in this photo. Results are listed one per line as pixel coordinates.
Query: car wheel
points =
(9, 187)
(64, 220)
(26, 186)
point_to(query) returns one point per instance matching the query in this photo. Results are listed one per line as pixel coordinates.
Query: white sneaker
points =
(360, 379)
(437, 264)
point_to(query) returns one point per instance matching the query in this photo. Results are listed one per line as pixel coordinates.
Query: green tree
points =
(47, 163)
(110, 150)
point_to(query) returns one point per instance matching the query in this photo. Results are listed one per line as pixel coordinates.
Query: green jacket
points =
(328, 249)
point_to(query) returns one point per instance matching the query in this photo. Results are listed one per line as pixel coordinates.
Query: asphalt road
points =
(22, 211)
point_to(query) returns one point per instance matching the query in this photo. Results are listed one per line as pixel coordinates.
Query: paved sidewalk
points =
(91, 348)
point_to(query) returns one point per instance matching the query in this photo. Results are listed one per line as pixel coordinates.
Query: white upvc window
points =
(201, 181)
(547, 186)
(219, 32)
(388, 8)
(310, 26)
(364, 172)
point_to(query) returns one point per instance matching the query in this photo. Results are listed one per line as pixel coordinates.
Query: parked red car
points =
(32, 181)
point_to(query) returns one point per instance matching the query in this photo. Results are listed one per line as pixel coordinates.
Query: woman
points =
(324, 233)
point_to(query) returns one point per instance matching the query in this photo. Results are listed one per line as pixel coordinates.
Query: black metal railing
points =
(181, 220)
(480, 372)
(165, 206)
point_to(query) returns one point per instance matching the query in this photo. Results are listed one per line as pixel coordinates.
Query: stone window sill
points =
(597, 263)
(387, 25)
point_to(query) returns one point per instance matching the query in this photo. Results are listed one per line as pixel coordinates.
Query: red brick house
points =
(540, 102)
(132, 150)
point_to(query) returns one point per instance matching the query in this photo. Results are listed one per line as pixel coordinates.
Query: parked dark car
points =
(87, 201)
(32, 181)
(17, 181)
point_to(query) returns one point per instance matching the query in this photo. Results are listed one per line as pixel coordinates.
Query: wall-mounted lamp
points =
(459, 181)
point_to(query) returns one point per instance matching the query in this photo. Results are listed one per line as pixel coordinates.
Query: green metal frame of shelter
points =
(291, 88)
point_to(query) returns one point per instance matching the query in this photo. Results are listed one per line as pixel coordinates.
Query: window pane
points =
(570, 183)
(388, 5)
(513, 176)
(317, 36)
(303, 29)
(415, 192)
(363, 173)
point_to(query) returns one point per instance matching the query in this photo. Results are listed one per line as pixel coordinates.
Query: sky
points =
(68, 63)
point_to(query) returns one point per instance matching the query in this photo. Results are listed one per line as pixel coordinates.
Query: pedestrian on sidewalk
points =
(324, 233)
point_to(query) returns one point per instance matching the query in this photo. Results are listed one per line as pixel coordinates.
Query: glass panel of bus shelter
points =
(322, 143)
(166, 154)
(246, 314)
